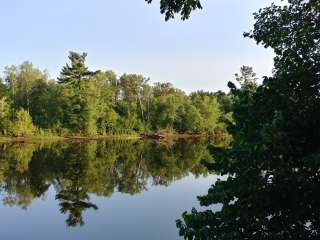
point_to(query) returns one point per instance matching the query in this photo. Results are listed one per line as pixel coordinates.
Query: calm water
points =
(99, 189)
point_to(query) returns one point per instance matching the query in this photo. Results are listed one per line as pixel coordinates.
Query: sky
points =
(130, 36)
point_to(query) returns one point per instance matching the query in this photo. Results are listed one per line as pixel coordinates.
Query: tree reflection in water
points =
(77, 170)
(275, 200)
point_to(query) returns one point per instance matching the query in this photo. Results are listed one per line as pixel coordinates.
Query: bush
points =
(22, 126)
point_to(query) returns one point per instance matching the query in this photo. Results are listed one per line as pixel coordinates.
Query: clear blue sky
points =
(131, 36)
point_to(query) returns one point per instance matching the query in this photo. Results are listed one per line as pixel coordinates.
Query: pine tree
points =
(80, 104)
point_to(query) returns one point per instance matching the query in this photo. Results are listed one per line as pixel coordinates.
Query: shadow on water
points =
(77, 170)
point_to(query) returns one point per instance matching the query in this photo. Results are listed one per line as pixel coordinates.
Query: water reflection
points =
(76, 170)
(274, 199)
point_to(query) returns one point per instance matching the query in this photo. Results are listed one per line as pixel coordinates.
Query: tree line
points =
(85, 102)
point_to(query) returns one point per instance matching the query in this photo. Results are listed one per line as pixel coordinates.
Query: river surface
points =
(100, 189)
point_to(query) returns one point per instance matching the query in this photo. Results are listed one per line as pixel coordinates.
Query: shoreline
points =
(4, 139)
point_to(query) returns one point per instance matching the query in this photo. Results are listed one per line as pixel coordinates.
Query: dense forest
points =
(87, 103)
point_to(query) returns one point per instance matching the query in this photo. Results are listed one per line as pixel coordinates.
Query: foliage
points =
(209, 109)
(272, 181)
(22, 125)
(4, 115)
(20, 82)
(79, 89)
(84, 102)
(182, 7)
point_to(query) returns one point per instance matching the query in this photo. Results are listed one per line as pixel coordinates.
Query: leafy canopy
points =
(183, 7)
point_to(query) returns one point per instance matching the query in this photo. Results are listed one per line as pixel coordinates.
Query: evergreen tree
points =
(80, 101)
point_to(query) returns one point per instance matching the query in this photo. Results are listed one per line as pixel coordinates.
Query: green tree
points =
(20, 81)
(209, 108)
(3, 88)
(106, 92)
(165, 110)
(80, 100)
(22, 125)
(225, 101)
(272, 163)
(131, 107)
(46, 104)
(163, 89)
(189, 119)
(183, 7)
(4, 115)
(77, 72)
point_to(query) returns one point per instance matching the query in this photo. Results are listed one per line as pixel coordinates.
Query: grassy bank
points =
(30, 138)
(101, 137)
(120, 136)
(59, 138)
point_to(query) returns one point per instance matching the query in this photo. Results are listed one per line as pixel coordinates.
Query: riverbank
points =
(30, 139)
(101, 137)
(60, 138)
(171, 136)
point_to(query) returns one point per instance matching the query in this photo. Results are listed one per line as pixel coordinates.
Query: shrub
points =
(22, 126)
